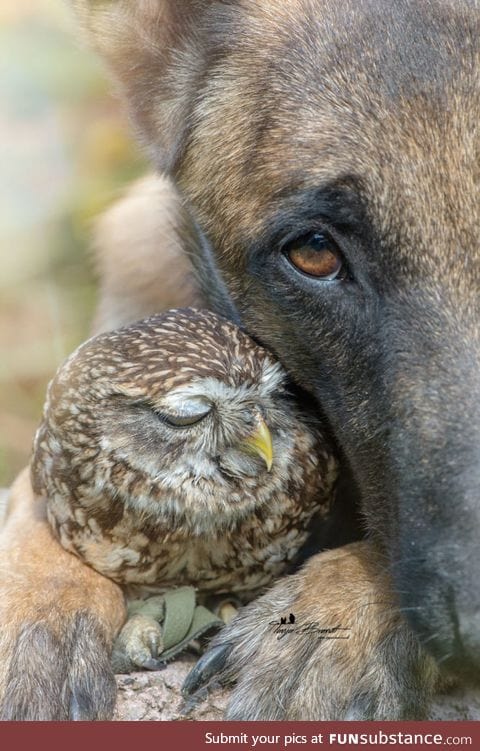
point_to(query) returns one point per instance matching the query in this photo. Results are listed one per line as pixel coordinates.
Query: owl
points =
(173, 452)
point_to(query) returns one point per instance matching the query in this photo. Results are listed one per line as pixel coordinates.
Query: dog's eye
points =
(316, 254)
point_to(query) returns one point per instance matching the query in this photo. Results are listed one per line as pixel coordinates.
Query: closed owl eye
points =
(183, 420)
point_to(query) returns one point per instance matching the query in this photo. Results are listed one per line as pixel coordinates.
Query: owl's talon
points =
(227, 612)
(211, 663)
(138, 645)
(152, 664)
(153, 641)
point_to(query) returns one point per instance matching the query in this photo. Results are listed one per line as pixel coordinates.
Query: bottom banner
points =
(233, 736)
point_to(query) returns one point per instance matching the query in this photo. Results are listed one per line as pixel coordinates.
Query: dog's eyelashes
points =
(317, 254)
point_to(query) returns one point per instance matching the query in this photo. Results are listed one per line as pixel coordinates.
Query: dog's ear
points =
(156, 51)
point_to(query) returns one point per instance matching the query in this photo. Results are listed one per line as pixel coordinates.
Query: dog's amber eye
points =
(317, 255)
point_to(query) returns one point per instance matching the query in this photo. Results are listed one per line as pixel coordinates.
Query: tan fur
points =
(135, 40)
(345, 589)
(142, 245)
(40, 583)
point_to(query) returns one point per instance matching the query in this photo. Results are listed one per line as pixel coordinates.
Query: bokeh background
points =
(65, 154)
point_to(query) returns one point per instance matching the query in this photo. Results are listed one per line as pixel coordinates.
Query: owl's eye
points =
(317, 255)
(185, 420)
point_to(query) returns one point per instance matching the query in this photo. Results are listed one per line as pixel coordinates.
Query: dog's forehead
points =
(397, 45)
(316, 90)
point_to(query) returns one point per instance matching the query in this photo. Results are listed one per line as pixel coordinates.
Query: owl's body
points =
(171, 453)
(243, 559)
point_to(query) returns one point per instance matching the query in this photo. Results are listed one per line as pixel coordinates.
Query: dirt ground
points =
(157, 696)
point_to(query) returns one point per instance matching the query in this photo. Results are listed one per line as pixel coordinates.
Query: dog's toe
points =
(59, 675)
(326, 644)
(211, 664)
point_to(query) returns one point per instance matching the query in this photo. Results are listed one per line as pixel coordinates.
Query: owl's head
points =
(180, 415)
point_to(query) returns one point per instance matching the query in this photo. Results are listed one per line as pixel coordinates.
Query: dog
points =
(326, 164)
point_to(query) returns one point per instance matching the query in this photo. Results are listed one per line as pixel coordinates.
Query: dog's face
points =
(331, 154)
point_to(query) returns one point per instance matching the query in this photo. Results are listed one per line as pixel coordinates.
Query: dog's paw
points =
(58, 621)
(57, 673)
(325, 644)
(138, 645)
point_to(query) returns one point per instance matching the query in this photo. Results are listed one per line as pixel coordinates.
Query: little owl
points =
(172, 453)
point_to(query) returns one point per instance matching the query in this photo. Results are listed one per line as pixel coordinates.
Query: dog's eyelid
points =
(338, 211)
(289, 229)
(316, 228)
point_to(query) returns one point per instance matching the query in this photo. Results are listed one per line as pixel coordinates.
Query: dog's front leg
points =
(328, 643)
(58, 619)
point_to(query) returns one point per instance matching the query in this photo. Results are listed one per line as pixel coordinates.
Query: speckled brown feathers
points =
(154, 506)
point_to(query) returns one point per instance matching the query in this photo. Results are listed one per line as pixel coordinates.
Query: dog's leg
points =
(342, 651)
(58, 619)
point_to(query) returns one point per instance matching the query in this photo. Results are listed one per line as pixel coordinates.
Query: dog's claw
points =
(76, 681)
(81, 708)
(360, 709)
(211, 663)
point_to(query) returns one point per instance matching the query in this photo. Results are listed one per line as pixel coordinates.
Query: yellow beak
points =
(260, 443)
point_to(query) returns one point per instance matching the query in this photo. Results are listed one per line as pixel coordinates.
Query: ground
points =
(157, 696)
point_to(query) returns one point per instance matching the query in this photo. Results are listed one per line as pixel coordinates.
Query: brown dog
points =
(329, 153)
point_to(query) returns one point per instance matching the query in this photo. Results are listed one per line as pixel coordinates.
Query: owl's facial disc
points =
(227, 425)
(251, 456)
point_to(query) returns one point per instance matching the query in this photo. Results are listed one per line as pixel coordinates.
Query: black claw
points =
(92, 699)
(211, 663)
(81, 709)
(361, 708)
(152, 664)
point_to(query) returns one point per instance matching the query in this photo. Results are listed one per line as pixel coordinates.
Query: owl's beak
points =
(260, 442)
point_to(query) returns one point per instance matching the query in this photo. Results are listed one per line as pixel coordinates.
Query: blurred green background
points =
(65, 153)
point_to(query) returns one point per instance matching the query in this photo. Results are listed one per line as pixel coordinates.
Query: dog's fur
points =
(360, 118)
(58, 619)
